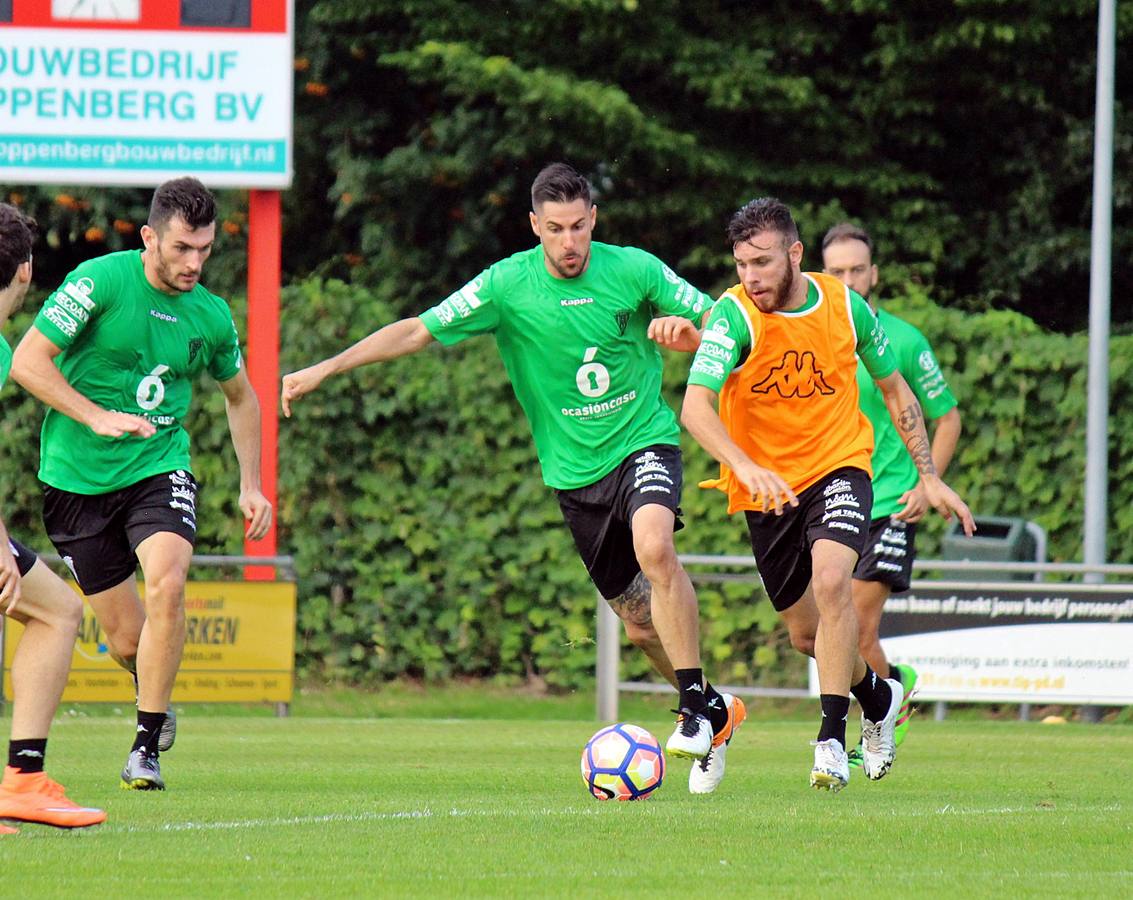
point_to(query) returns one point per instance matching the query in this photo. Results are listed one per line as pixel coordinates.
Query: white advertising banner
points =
(137, 105)
(1020, 642)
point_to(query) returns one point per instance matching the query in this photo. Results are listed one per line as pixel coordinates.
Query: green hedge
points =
(427, 545)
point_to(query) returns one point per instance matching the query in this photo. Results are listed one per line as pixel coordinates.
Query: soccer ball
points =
(622, 762)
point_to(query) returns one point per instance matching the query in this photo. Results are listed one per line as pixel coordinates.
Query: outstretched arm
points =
(244, 424)
(33, 367)
(699, 416)
(399, 338)
(907, 416)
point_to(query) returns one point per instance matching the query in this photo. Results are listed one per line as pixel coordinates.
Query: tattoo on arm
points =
(913, 431)
(632, 604)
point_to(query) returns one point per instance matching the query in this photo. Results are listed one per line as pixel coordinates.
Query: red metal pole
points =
(264, 249)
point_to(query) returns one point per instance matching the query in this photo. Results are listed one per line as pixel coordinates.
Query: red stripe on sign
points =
(268, 16)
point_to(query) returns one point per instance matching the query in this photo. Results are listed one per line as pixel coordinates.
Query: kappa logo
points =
(926, 360)
(622, 318)
(795, 376)
(195, 345)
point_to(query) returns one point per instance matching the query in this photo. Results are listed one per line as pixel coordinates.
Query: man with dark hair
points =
(780, 349)
(113, 353)
(30, 593)
(898, 501)
(574, 322)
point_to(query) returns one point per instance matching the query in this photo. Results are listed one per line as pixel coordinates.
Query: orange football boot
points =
(33, 797)
(737, 712)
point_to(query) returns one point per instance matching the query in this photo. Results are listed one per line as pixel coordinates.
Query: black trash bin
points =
(997, 539)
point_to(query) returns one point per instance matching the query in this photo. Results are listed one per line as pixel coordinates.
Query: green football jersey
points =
(893, 469)
(5, 360)
(585, 373)
(129, 348)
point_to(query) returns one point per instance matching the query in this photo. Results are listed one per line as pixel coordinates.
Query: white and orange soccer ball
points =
(622, 762)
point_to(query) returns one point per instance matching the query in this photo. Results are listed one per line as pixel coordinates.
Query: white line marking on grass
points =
(342, 817)
(278, 823)
(949, 810)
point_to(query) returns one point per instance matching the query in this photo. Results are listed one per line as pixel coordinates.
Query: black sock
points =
(895, 674)
(835, 711)
(27, 755)
(691, 684)
(873, 694)
(149, 729)
(717, 711)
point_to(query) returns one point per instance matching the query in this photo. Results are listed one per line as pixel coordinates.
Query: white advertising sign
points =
(1020, 642)
(105, 104)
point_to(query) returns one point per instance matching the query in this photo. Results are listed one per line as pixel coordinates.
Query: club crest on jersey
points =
(195, 345)
(622, 318)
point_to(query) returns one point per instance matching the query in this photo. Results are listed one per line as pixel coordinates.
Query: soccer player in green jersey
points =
(574, 323)
(113, 353)
(898, 501)
(33, 595)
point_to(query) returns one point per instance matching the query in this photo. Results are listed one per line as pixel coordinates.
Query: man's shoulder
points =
(212, 304)
(899, 330)
(520, 261)
(121, 261)
(117, 265)
(620, 254)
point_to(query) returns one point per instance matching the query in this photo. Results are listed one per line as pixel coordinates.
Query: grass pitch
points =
(431, 807)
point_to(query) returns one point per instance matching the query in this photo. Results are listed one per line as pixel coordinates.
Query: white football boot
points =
(831, 770)
(879, 743)
(707, 774)
(692, 738)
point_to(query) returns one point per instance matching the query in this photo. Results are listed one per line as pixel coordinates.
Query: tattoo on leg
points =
(632, 604)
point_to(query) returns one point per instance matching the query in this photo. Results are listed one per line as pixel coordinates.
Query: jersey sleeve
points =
(472, 310)
(86, 292)
(726, 340)
(670, 294)
(873, 343)
(925, 377)
(226, 360)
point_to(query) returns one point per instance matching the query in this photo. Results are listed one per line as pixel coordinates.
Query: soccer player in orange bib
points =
(781, 349)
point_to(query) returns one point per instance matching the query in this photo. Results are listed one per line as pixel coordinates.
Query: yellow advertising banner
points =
(239, 648)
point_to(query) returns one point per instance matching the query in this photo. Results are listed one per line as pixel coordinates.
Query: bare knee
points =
(832, 586)
(165, 596)
(803, 642)
(71, 616)
(47, 599)
(122, 641)
(641, 635)
(657, 558)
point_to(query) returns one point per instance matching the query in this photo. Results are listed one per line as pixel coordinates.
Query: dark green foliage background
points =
(426, 544)
(959, 131)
